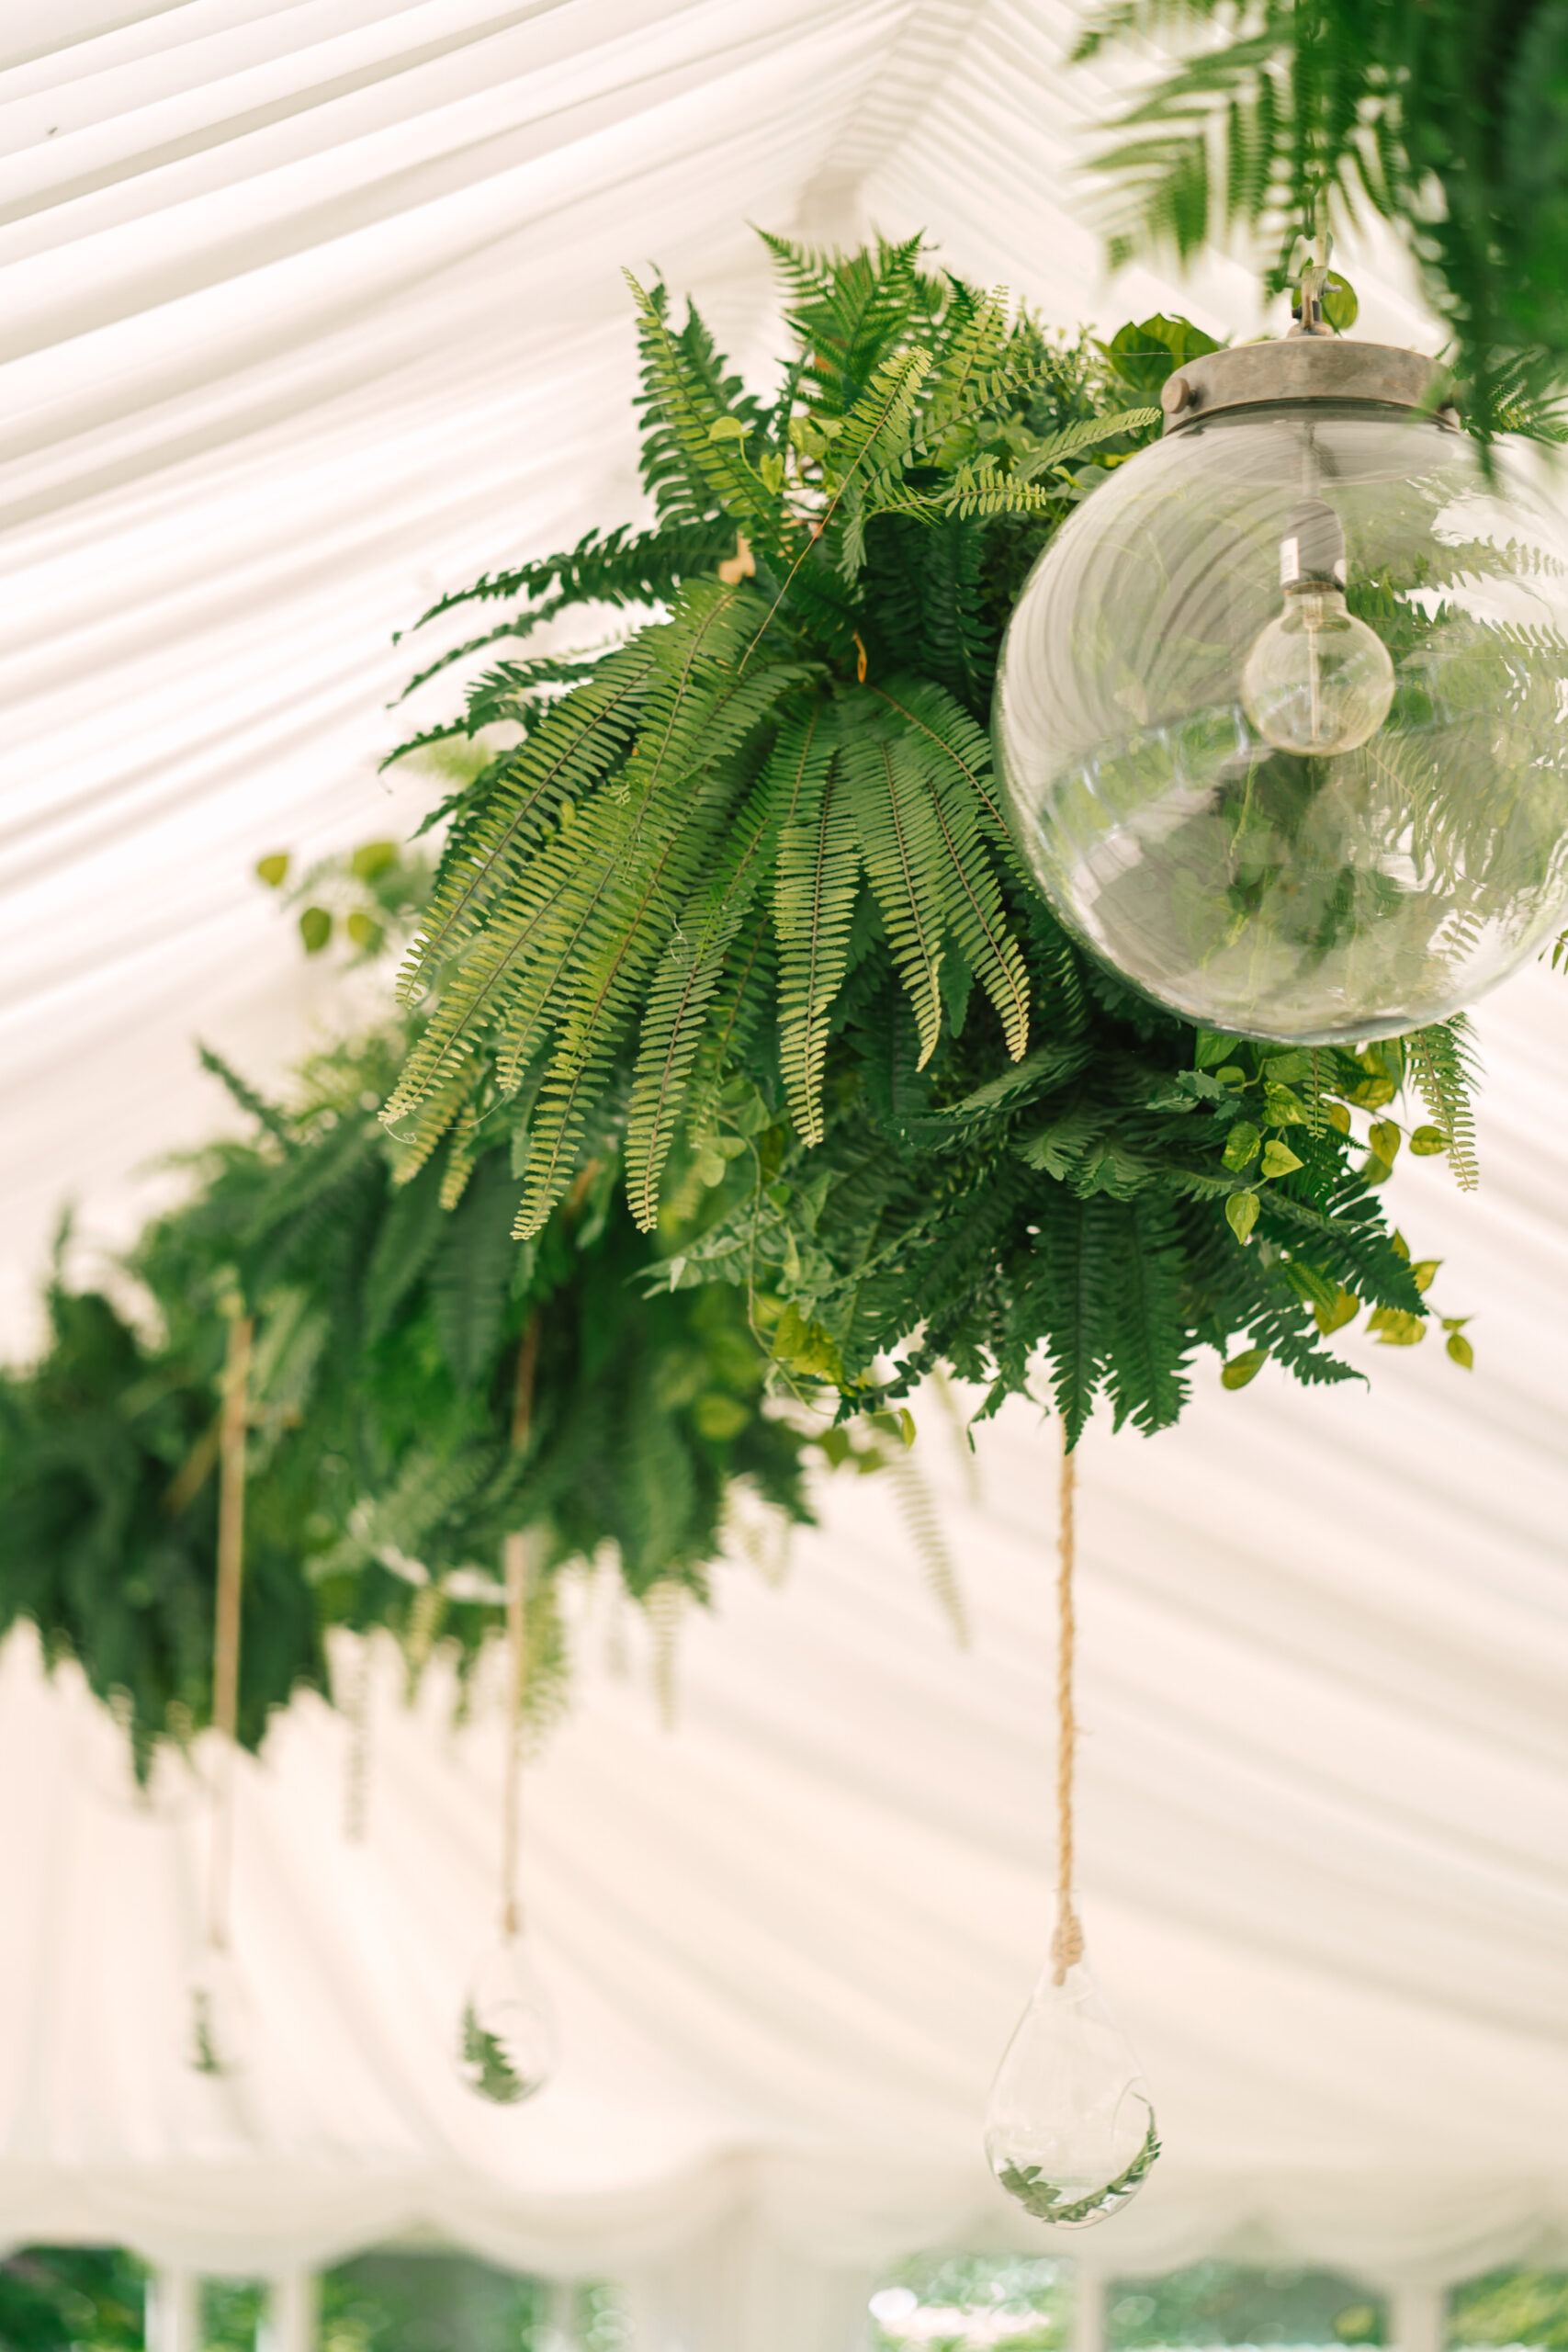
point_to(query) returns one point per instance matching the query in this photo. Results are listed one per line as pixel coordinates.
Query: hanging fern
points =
(742, 907)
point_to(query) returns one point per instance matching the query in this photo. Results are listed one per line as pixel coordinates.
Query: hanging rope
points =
(357, 1788)
(226, 1620)
(514, 1558)
(1066, 1944)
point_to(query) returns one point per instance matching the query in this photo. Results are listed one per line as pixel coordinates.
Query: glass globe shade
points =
(1322, 878)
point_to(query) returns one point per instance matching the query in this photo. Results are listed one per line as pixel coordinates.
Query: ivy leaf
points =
(1279, 1160)
(1241, 1145)
(1395, 1328)
(1241, 1213)
(1341, 308)
(1243, 1368)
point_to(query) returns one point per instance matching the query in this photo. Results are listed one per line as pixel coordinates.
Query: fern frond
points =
(682, 492)
(688, 403)
(876, 434)
(612, 953)
(965, 882)
(924, 1525)
(256, 1107)
(850, 310)
(627, 566)
(632, 853)
(968, 375)
(956, 741)
(1078, 1250)
(469, 1275)
(814, 901)
(1445, 1064)
(693, 964)
(1090, 433)
(901, 845)
(1150, 1345)
(438, 1111)
(576, 744)
(405, 1242)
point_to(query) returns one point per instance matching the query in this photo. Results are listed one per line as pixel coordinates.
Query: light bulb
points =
(508, 2044)
(1318, 680)
(1070, 2127)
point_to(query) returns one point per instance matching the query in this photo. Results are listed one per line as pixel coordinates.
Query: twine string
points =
(1067, 1943)
(515, 1560)
(226, 1621)
(356, 1786)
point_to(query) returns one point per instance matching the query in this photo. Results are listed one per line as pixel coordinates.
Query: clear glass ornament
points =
(1070, 2126)
(1317, 681)
(219, 2026)
(508, 2046)
(1154, 726)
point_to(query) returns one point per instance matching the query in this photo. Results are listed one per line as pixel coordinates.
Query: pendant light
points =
(1281, 713)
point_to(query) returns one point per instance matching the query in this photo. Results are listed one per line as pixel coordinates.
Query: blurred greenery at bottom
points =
(93, 2298)
(946, 2302)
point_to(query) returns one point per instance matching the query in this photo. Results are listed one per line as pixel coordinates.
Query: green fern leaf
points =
(694, 965)
(578, 743)
(901, 845)
(814, 889)
(469, 1274)
(1444, 1063)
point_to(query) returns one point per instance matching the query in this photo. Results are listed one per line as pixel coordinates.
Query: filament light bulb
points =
(1318, 680)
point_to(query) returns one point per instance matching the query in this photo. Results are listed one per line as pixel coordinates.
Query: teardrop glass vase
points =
(1070, 2126)
(219, 2028)
(507, 2045)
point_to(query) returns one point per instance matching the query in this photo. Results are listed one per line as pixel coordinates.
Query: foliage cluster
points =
(1228, 2302)
(421, 1387)
(1447, 118)
(58, 2297)
(1512, 2306)
(739, 904)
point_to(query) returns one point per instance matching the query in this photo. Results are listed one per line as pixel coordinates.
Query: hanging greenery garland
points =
(395, 1328)
(740, 1054)
(740, 906)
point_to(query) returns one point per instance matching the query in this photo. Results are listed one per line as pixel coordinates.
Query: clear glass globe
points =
(1256, 868)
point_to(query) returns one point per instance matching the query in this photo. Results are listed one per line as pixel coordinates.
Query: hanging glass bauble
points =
(218, 2029)
(1070, 2127)
(508, 2043)
(1281, 712)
